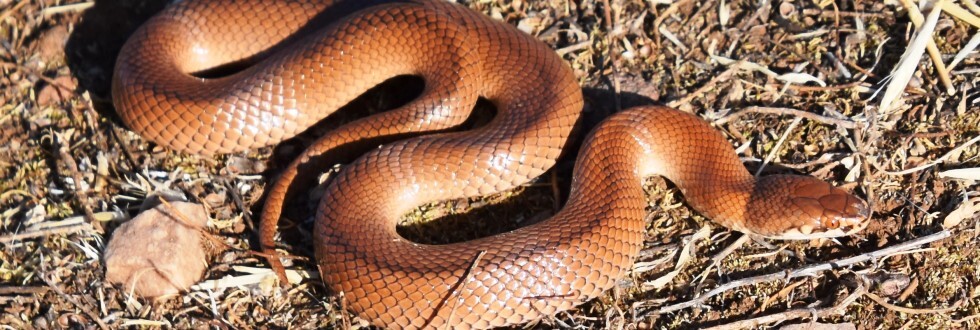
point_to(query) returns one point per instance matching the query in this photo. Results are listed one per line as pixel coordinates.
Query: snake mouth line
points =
(797, 234)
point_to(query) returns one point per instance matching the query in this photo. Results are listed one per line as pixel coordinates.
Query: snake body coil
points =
(290, 82)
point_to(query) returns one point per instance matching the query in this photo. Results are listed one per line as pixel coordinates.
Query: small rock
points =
(216, 199)
(243, 165)
(62, 89)
(40, 322)
(891, 285)
(787, 10)
(51, 44)
(158, 252)
(71, 320)
(758, 31)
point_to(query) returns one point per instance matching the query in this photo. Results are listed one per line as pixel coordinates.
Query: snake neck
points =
(712, 178)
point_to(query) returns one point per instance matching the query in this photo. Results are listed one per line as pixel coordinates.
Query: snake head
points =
(809, 208)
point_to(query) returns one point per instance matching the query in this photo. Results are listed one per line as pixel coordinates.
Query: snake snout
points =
(844, 212)
(832, 212)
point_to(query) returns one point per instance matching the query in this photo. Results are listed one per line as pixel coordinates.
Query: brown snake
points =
(294, 73)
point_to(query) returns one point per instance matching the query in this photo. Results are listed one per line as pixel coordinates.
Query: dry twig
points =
(787, 111)
(83, 226)
(955, 151)
(805, 271)
(57, 289)
(711, 84)
(8, 290)
(674, 7)
(455, 292)
(906, 310)
(798, 313)
(68, 225)
(717, 258)
(69, 8)
(80, 192)
(937, 57)
(908, 64)
(817, 89)
(779, 145)
(961, 13)
(13, 9)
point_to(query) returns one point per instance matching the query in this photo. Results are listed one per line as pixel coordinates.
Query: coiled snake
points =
(288, 83)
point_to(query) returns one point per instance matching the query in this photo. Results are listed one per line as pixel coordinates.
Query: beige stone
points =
(157, 253)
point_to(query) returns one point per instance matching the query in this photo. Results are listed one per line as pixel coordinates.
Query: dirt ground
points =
(68, 167)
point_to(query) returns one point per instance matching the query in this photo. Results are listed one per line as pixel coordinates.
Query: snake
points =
(215, 77)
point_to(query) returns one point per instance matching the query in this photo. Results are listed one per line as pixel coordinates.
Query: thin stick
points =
(806, 271)
(972, 5)
(779, 145)
(805, 89)
(906, 310)
(77, 227)
(469, 274)
(787, 111)
(663, 15)
(785, 291)
(717, 258)
(243, 280)
(967, 319)
(237, 198)
(961, 13)
(81, 194)
(66, 225)
(830, 14)
(908, 63)
(613, 55)
(572, 48)
(823, 159)
(798, 313)
(711, 83)
(343, 311)
(10, 11)
(95, 317)
(8, 290)
(937, 57)
(965, 51)
(70, 8)
(183, 219)
(938, 160)
(62, 90)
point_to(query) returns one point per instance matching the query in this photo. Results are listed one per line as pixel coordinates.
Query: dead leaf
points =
(962, 173)
(969, 208)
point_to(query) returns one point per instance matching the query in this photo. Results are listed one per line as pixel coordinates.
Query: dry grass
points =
(67, 166)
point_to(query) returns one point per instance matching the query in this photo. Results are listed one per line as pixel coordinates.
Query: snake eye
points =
(832, 223)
